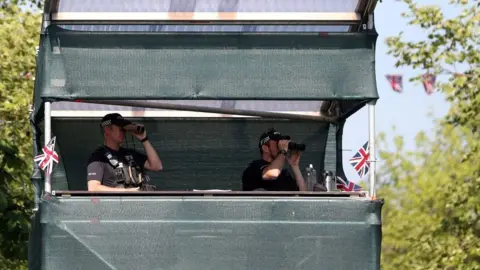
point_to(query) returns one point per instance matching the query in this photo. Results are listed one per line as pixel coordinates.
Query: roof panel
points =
(207, 6)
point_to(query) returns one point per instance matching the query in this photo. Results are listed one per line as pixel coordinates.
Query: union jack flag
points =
(429, 83)
(345, 185)
(45, 160)
(396, 82)
(360, 160)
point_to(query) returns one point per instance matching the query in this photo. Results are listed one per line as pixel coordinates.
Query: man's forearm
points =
(152, 156)
(273, 170)
(278, 162)
(299, 178)
(105, 188)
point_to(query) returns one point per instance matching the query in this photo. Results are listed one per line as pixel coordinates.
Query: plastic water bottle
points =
(308, 173)
(311, 177)
(330, 182)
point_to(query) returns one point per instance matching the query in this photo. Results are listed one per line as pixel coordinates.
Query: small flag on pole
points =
(45, 160)
(360, 160)
(396, 82)
(345, 185)
(429, 83)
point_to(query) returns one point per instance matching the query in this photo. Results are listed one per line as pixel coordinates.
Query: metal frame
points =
(204, 109)
(343, 18)
(371, 142)
(50, 7)
(160, 114)
(357, 20)
(47, 138)
(209, 193)
(365, 8)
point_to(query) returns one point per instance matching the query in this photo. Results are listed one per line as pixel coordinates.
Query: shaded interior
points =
(198, 153)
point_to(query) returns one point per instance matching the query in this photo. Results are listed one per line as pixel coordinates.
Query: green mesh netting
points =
(207, 233)
(132, 65)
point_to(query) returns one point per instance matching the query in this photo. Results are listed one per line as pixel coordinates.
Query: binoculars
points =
(296, 146)
(134, 128)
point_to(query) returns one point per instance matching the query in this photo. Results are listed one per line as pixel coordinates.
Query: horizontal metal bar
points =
(147, 104)
(331, 18)
(204, 222)
(68, 193)
(154, 114)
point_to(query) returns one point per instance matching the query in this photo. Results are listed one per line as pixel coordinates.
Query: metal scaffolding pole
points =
(371, 143)
(48, 135)
(181, 107)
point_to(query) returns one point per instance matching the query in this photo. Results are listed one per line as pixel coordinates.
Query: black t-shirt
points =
(99, 167)
(252, 178)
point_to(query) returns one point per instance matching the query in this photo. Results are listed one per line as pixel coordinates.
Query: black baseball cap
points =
(114, 119)
(271, 134)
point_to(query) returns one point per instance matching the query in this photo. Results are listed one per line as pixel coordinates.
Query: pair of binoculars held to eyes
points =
(134, 128)
(296, 146)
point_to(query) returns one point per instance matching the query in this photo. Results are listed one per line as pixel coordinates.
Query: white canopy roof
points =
(350, 14)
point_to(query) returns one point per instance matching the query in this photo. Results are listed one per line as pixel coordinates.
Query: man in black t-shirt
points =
(113, 168)
(268, 173)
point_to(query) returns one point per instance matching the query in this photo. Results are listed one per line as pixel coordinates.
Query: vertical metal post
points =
(48, 135)
(371, 143)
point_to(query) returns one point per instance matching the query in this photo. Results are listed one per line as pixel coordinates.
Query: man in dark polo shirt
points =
(268, 173)
(114, 168)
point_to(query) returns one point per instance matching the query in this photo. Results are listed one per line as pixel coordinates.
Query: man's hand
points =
(147, 187)
(140, 136)
(283, 145)
(153, 162)
(294, 158)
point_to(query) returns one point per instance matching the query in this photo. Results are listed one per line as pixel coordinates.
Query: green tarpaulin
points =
(157, 65)
(237, 233)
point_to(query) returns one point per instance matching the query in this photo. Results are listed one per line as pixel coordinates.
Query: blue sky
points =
(407, 111)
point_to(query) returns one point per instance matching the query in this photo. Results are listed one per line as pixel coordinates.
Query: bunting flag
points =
(360, 161)
(45, 160)
(396, 82)
(429, 83)
(345, 185)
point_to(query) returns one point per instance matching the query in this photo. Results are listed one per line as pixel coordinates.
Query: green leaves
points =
(432, 212)
(19, 32)
(15, 205)
(432, 204)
